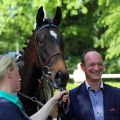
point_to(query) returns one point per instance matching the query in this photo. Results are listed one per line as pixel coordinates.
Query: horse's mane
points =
(23, 49)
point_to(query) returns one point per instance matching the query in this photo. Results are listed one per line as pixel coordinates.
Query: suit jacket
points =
(81, 107)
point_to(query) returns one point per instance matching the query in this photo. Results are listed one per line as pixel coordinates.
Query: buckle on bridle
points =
(34, 99)
(46, 71)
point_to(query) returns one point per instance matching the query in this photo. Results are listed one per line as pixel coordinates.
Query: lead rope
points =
(33, 99)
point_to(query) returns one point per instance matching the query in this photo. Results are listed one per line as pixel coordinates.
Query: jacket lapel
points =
(105, 102)
(84, 102)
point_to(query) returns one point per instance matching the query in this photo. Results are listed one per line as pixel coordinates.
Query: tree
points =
(108, 23)
(85, 23)
(17, 22)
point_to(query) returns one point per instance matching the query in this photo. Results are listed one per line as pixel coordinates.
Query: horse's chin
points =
(59, 85)
(55, 86)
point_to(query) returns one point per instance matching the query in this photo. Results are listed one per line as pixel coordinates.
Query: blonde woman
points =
(10, 83)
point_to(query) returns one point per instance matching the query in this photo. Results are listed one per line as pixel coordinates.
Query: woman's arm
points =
(44, 112)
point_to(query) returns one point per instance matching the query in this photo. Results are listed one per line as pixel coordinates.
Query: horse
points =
(43, 63)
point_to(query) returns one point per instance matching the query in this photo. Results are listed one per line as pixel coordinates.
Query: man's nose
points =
(97, 67)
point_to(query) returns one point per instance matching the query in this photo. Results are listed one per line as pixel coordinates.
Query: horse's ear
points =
(58, 17)
(40, 16)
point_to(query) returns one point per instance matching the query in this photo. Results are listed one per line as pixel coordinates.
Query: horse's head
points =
(50, 47)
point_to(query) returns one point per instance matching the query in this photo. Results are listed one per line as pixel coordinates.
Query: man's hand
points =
(65, 97)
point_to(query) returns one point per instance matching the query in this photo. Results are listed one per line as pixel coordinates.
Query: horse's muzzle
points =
(61, 79)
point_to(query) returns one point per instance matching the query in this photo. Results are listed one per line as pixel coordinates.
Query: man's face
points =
(93, 66)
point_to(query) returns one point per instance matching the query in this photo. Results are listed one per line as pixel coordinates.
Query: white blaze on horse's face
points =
(52, 33)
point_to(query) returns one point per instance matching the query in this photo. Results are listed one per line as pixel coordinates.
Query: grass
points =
(115, 83)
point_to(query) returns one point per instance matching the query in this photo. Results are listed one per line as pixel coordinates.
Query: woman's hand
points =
(61, 95)
(46, 110)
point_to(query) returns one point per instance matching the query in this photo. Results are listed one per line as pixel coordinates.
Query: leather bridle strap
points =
(51, 56)
(37, 48)
(44, 26)
(33, 99)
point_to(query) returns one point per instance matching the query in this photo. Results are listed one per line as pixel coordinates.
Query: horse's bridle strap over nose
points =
(51, 56)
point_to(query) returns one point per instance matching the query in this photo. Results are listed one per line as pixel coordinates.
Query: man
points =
(93, 100)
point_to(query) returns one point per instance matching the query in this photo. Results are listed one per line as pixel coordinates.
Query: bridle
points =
(46, 72)
(47, 61)
(45, 76)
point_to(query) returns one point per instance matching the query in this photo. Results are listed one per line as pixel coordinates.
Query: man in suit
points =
(93, 100)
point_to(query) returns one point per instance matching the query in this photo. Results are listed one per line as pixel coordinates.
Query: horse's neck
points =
(30, 51)
(28, 75)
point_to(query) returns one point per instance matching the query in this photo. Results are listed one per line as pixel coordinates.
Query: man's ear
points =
(82, 66)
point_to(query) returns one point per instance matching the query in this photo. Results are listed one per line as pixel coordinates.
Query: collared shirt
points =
(97, 101)
(10, 97)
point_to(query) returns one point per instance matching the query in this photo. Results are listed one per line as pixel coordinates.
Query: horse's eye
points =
(39, 41)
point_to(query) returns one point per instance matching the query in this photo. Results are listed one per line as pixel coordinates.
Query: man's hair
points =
(85, 52)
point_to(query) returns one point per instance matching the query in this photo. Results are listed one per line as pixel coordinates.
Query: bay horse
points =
(44, 66)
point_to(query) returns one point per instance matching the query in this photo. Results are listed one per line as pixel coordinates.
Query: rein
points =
(33, 99)
(46, 73)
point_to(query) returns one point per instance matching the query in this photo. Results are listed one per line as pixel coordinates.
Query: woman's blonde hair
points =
(6, 63)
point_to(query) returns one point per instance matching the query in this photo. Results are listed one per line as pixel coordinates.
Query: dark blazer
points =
(81, 106)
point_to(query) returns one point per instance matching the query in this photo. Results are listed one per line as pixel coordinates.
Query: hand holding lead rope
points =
(63, 105)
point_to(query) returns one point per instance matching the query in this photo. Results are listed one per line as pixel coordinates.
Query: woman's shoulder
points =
(9, 110)
(6, 105)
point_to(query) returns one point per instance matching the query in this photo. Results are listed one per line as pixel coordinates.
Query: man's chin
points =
(97, 79)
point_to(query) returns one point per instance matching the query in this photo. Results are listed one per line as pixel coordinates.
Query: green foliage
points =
(109, 12)
(17, 22)
(72, 63)
(85, 24)
(71, 85)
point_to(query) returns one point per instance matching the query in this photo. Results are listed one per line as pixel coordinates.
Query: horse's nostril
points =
(61, 79)
(58, 74)
(61, 75)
